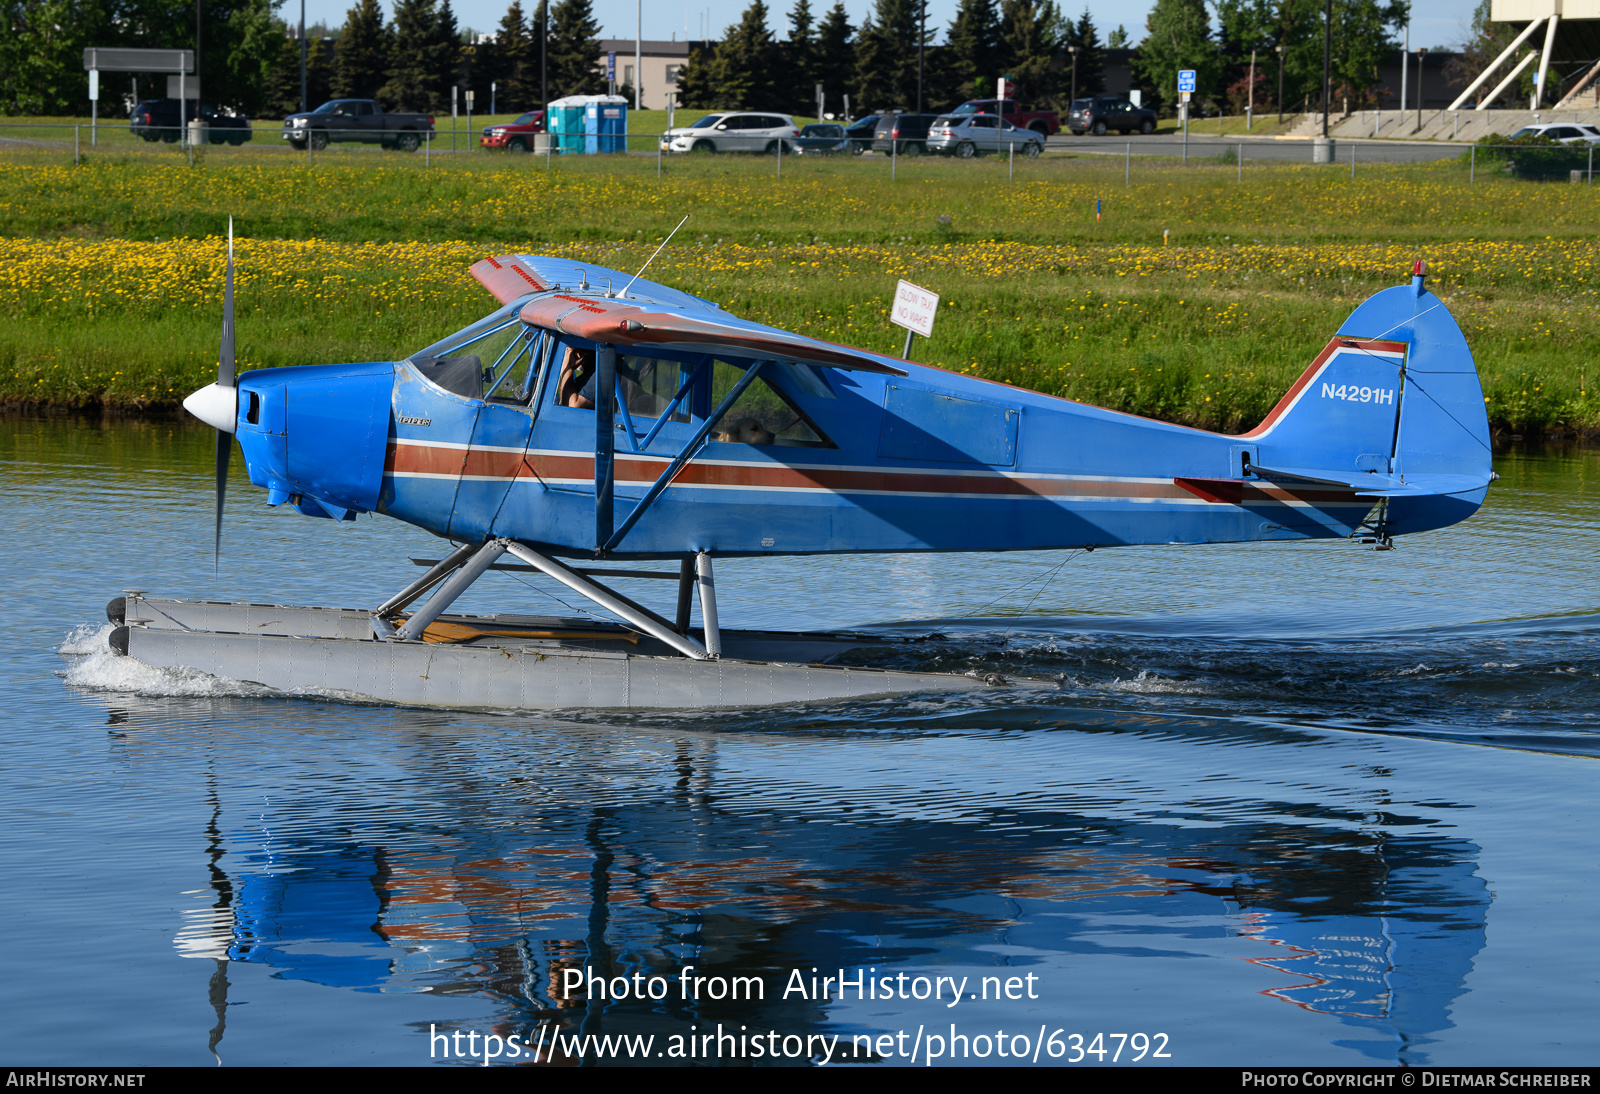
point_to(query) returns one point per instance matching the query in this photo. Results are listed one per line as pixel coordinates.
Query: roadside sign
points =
(94, 83)
(1005, 88)
(914, 308)
(611, 67)
(1186, 80)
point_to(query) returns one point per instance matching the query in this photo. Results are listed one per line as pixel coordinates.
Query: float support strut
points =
(458, 583)
(649, 623)
(438, 573)
(708, 604)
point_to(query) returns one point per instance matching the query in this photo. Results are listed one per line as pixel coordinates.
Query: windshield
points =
(529, 118)
(707, 122)
(822, 131)
(328, 107)
(968, 108)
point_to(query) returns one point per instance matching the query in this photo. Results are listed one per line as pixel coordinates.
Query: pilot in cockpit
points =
(576, 385)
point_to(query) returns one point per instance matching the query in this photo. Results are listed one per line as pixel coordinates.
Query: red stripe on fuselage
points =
(410, 459)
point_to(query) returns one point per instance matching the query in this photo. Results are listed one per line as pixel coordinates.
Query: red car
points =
(514, 136)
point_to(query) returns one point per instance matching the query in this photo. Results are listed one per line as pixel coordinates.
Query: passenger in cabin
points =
(747, 431)
(576, 385)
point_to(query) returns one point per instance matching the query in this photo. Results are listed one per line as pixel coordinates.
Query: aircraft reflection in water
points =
(1376, 929)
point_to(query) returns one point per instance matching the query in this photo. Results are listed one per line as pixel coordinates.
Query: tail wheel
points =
(319, 140)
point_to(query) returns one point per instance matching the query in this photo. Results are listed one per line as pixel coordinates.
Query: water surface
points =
(1294, 804)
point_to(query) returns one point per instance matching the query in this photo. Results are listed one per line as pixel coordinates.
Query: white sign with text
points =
(914, 308)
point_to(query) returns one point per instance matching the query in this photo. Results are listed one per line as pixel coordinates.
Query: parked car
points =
(157, 120)
(905, 134)
(732, 132)
(356, 120)
(970, 135)
(1042, 122)
(821, 139)
(1565, 133)
(860, 132)
(1105, 113)
(514, 136)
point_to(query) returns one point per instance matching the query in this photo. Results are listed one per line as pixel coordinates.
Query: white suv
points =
(733, 133)
(1566, 133)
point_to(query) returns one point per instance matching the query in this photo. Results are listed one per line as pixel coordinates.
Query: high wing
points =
(652, 315)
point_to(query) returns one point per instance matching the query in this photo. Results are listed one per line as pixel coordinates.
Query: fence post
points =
(1127, 168)
(780, 158)
(427, 149)
(1011, 167)
(1591, 163)
(1352, 161)
(1241, 161)
(659, 142)
(1472, 175)
(894, 157)
(77, 131)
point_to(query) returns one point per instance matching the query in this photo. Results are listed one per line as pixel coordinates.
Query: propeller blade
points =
(225, 369)
(224, 450)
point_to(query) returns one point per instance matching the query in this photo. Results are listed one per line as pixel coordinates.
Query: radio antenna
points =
(652, 258)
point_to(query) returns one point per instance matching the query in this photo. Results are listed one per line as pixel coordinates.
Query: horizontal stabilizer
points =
(1373, 485)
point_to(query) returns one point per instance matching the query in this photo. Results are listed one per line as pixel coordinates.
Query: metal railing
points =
(1194, 151)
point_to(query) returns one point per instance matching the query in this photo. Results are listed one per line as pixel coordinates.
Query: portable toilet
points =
(605, 124)
(566, 123)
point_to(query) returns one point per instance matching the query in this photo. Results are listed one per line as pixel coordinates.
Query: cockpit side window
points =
(763, 414)
(492, 363)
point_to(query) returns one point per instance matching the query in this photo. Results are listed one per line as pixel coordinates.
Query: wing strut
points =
(682, 457)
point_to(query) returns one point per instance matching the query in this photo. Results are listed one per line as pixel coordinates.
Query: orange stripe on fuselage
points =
(411, 459)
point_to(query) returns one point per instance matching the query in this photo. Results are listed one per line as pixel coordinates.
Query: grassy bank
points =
(370, 263)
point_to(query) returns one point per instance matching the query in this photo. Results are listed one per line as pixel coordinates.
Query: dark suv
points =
(1098, 115)
(905, 133)
(157, 120)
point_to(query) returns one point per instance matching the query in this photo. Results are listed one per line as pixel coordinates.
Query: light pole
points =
(1281, 49)
(304, 106)
(1327, 61)
(1422, 51)
(922, 38)
(1074, 51)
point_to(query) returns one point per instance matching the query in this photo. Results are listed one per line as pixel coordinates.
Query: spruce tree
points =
(799, 54)
(742, 71)
(886, 56)
(973, 49)
(695, 88)
(835, 57)
(1030, 34)
(361, 54)
(419, 62)
(512, 62)
(1091, 59)
(321, 46)
(574, 51)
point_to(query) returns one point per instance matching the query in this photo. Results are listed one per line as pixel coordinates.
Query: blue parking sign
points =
(1186, 79)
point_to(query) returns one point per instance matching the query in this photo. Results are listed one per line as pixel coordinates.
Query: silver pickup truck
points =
(356, 120)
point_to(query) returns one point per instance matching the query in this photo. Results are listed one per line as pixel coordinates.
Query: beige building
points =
(660, 63)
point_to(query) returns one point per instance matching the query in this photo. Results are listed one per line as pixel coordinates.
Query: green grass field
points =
(111, 280)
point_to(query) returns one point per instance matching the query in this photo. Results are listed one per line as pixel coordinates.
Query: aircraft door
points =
(496, 455)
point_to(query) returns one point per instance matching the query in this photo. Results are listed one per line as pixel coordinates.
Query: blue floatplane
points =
(595, 418)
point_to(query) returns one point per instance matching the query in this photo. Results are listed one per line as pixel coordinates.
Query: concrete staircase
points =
(1464, 126)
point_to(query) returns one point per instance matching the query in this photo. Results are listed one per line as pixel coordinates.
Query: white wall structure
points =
(1538, 14)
